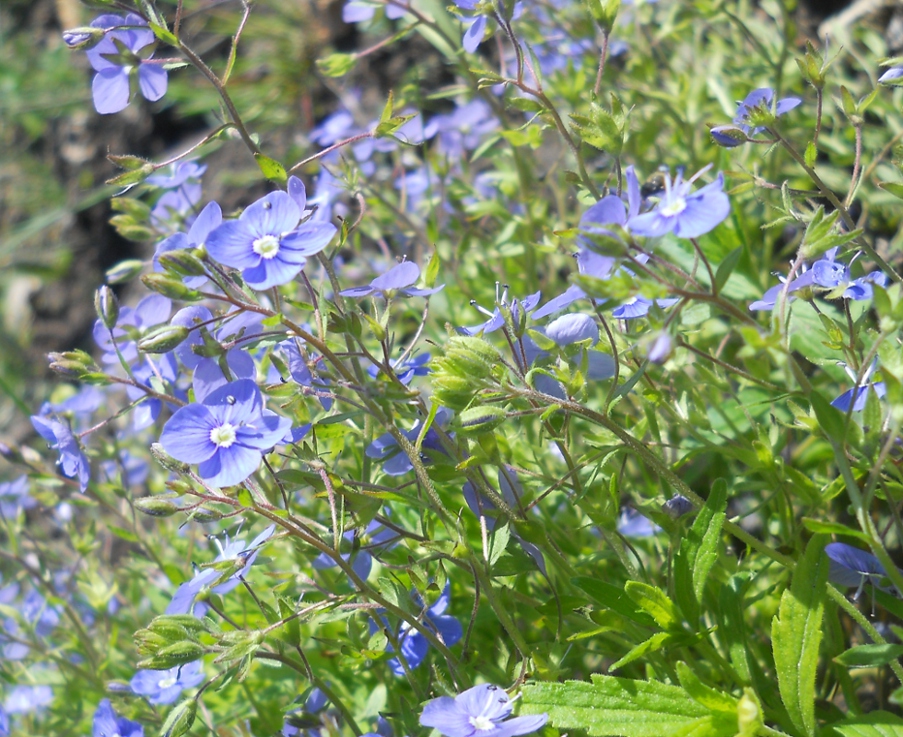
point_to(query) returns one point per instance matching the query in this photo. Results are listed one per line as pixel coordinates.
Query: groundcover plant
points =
(553, 385)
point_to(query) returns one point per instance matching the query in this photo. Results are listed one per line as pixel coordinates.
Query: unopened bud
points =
(164, 339)
(124, 271)
(173, 656)
(604, 12)
(183, 262)
(83, 37)
(166, 460)
(155, 507)
(728, 136)
(107, 306)
(677, 506)
(169, 287)
(480, 420)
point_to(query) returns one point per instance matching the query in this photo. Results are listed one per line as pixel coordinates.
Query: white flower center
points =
(481, 723)
(266, 246)
(675, 207)
(166, 683)
(223, 436)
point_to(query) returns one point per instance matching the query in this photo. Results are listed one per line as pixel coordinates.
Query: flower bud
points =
(469, 357)
(893, 77)
(107, 306)
(124, 271)
(167, 461)
(164, 339)
(480, 420)
(169, 287)
(83, 37)
(173, 656)
(604, 13)
(183, 262)
(155, 507)
(677, 506)
(728, 136)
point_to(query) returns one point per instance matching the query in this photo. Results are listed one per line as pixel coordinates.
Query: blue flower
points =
(397, 280)
(892, 77)
(682, 212)
(761, 100)
(853, 567)
(121, 56)
(210, 218)
(28, 699)
(226, 435)
(183, 601)
(267, 243)
(14, 496)
(72, 462)
(858, 395)
(165, 686)
(633, 524)
(397, 463)
(107, 724)
(405, 370)
(480, 711)
(502, 307)
(375, 538)
(414, 645)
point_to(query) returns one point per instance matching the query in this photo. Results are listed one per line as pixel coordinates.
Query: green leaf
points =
(612, 597)
(271, 169)
(653, 644)
(337, 65)
(654, 602)
(833, 528)
(706, 695)
(164, 35)
(432, 270)
(831, 419)
(796, 635)
(876, 724)
(698, 552)
(868, 656)
(620, 706)
(727, 266)
(895, 188)
(498, 541)
(811, 154)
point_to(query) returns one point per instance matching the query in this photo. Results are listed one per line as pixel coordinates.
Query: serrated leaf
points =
(654, 602)
(876, 724)
(796, 634)
(612, 597)
(620, 706)
(709, 697)
(869, 656)
(271, 169)
(698, 552)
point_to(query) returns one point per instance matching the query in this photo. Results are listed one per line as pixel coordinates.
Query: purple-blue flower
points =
(682, 212)
(397, 463)
(184, 600)
(226, 435)
(165, 686)
(405, 370)
(853, 567)
(375, 538)
(481, 711)
(502, 306)
(761, 99)
(414, 645)
(14, 496)
(397, 280)
(210, 218)
(27, 699)
(633, 524)
(267, 243)
(356, 11)
(72, 462)
(858, 395)
(121, 60)
(892, 77)
(108, 724)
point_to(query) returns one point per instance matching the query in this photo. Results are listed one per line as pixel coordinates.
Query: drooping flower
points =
(184, 600)
(397, 280)
(685, 213)
(108, 724)
(267, 243)
(72, 462)
(121, 60)
(226, 434)
(853, 567)
(397, 463)
(414, 645)
(165, 686)
(858, 395)
(480, 711)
